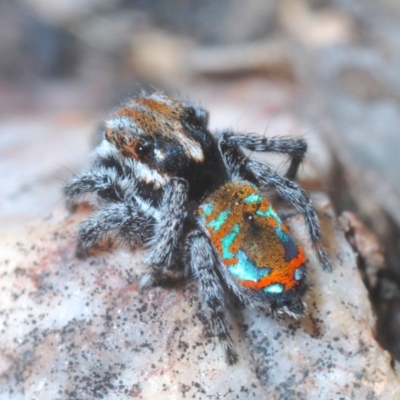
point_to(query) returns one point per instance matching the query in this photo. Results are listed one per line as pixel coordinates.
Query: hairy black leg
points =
(298, 197)
(104, 182)
(200, 260)
(294, 148)
(234, 159)
(167, 233)
(121, 220)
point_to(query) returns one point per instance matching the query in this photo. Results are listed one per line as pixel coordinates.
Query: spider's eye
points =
(191, 116)
(190, 113)
(196, 116)
(143, 149)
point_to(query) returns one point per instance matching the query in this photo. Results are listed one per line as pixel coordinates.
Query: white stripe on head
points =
(192, 147)
(142, 172)
(161, 98)
(104, 149)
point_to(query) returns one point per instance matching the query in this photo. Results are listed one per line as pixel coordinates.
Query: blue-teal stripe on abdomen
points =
(217, 223)
(288, 243)
(227, 241)
(207, 208)
(270, 213)
(275, 288)
(247, 270)
(253, 198)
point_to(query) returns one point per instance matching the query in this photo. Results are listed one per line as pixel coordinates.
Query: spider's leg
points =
(298, 197)
(295, 148)
(167, 233)
(200, 259)
(108, 178)
(122, 220)
(105, 183)
(241, 167)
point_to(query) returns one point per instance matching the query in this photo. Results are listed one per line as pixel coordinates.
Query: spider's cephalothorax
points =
(166, 139)
(160, 177)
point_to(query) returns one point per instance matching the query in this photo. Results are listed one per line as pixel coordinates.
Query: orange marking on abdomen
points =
(283, 276)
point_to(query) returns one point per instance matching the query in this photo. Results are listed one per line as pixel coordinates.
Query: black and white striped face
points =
(163, 137)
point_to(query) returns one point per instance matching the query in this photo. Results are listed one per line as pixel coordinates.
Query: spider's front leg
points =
(121, 220)
(199, 258)
(107, 180)
(167, 233)
(106, 184)
(294, 148)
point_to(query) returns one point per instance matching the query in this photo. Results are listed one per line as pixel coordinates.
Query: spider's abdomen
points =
(251, 240)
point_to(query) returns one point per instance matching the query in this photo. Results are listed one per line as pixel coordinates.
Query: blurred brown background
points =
(328, 70)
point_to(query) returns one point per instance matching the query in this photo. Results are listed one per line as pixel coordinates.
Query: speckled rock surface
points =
(72, 329)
